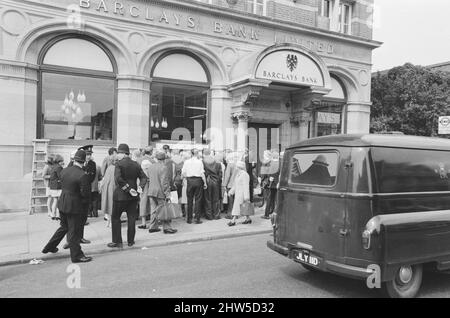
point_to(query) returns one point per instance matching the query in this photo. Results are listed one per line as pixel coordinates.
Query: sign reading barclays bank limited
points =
(290, 67)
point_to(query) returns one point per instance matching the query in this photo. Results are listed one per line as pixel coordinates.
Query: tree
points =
(410, 99)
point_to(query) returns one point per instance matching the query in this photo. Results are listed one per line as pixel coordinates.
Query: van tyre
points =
(406, 283)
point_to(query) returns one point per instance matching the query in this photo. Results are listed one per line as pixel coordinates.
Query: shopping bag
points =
(169, 211)
(174, 197)
(225, 198)
(247, 209)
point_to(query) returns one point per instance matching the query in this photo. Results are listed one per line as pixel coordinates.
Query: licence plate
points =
(305, 257)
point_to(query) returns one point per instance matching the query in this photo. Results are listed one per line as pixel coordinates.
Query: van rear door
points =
(312, 206)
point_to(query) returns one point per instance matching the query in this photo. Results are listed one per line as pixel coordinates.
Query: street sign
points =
(444, 125)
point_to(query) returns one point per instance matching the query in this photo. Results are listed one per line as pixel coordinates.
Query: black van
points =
(350, 204)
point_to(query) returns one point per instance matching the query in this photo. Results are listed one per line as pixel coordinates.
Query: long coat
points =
(55, 177)
(76, 191)
(144, 204)
(230, 175)
(159, 185)
(107, 189)
(241, 191)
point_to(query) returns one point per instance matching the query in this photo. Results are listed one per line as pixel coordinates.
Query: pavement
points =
(23, 236)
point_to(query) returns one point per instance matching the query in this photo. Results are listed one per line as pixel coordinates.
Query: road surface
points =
(230, 268)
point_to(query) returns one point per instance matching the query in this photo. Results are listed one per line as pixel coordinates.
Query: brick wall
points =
(307, 12)
(302, 11)
(363, 19)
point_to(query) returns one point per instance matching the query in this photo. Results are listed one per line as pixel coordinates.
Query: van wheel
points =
(310, 268)
(406, 283)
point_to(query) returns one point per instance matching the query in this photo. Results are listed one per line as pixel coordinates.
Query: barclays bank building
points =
(216, 73)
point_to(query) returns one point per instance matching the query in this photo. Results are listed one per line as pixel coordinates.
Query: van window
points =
(410, 170)
(314, 168)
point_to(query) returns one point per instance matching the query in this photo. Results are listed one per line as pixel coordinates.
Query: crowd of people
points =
(155, 186)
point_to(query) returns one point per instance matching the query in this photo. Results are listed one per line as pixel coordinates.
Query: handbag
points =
(247, 209)
(257, 190)
(174, 196)
(225, 197)
(169, 211)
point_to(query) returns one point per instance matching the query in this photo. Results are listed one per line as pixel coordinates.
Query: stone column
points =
(358, 117)
(305, 120)
(300, 126)
(242, 132)
(295, 129)
(220, 122)
(133, 111)
(18, 103)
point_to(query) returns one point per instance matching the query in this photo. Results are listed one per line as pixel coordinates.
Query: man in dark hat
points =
(126, 195)
(73, 206)
(317, 174)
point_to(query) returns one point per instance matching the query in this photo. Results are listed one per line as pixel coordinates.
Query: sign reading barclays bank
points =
(159, 15)
(290, 67)
(165, 15)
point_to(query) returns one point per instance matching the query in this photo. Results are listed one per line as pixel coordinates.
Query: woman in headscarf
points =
(241, 193)
(107, 189)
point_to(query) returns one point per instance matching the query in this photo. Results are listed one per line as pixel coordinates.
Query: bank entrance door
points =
(262, 137)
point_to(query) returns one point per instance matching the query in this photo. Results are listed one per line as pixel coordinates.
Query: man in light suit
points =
(159, 193)
(231, 172)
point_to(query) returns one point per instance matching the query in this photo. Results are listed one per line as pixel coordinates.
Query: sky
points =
(415, 31)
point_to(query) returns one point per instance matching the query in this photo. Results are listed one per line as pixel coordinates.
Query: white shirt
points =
(193, 167)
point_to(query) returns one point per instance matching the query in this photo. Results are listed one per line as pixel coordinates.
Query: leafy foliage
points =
(410, 99)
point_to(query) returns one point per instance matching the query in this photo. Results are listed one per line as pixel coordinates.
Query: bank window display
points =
(179, 100)
(77, 92)
(328, 114)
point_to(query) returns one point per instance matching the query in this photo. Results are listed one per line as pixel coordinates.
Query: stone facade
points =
(229, 42)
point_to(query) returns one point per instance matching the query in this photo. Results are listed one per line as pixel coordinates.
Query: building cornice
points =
(267, 21)
(224, 12)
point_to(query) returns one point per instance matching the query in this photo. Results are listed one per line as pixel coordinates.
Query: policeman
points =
(90, 167)
(126, 195)
(73, 206)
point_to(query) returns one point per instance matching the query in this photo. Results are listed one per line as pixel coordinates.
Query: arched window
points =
(77, 90)
(329, 115)
(179, 98)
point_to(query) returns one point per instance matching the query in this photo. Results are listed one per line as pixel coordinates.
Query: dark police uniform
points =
(90, 167)
(73, 206)
(126, 174)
